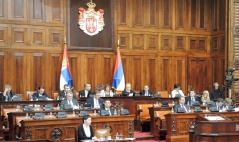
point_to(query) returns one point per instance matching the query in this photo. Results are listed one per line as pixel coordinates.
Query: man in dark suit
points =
(7, 94)
(86, 92)
(96, 101)
(128, 91)
(146, 91)
(62, 94)
(40, 93)
(181, 105)
(220, 105)
(69, 102)
(107, 106)
(192, 98)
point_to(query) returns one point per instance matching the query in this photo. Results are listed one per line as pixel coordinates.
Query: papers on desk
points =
(214, 118)
(131, 139)
(130, 94)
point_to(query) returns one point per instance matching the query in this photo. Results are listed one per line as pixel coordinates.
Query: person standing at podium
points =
(181, 105)
(146, 91)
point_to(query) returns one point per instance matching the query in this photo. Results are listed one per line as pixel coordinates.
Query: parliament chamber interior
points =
(119, 70)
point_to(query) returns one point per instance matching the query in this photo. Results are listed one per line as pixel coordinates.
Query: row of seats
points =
(164, 94)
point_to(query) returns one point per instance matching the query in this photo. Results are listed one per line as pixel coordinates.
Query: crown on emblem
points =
(91, 5)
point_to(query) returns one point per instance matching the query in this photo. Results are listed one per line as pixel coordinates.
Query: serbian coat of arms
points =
(91, 21)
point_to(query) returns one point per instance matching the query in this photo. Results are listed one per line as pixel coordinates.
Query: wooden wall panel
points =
(38, 70)
(156, 38)
(136, 72)
(151, 73)
(19, 70)
(138, 13)
(37, 10)
(123, 12)
(56, 60)
(165, 70)
(180, 13)
(1, 71)
(56, 11)
(3, 9)
(91, 69)
(18, 9)
(3, 36)
(197, 74)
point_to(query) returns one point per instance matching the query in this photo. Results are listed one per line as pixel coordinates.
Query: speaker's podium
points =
(214, 128)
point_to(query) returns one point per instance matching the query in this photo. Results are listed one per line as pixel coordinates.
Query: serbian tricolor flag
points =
(66, 77)
(118, 82)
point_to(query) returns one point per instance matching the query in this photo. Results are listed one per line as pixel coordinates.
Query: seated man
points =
(128, 91)
(86, 92)
(181, 105)
(69, 102)
(62, 94)
(107, 104)
(192, 98)
(96, 101)
(146, 91)
(7, 94)
(220, 105)
(40, 93)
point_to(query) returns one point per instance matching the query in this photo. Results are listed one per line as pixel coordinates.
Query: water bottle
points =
(94, 112)
(172, 110)
(157, 103)
(115, 112)
(58, 107)
(117, 136)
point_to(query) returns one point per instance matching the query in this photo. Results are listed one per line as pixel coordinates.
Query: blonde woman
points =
(205, 97)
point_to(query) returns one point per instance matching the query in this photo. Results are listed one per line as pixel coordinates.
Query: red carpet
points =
(145, 135)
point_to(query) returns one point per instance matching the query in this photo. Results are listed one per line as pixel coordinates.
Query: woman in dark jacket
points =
(85, 131)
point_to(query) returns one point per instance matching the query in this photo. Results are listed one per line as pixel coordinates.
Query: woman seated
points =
(107, 92)
(205, 97)
(228, 102)
(85, 131)
(177, 92)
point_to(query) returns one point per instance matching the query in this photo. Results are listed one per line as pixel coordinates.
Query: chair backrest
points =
(164, 93)
(104, 132)
(118, 92)
(29, 94)
(144, 109)
(160, 114)
(55, 95)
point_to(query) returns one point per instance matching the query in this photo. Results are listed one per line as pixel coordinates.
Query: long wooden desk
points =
(14, 117)
(178, 124)
(129, 103)
(64, 129)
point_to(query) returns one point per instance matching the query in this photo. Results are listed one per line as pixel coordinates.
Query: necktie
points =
(97, 104)
(193, 100)
(109, 111)
(184, 108)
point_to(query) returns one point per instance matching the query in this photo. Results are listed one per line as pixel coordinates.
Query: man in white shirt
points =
(177, 92)
(86, 92)
(96, 101)
(107, 104)
(69, 102)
